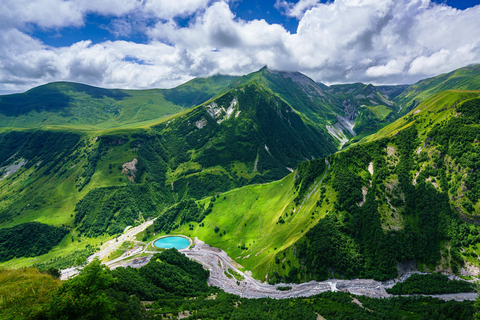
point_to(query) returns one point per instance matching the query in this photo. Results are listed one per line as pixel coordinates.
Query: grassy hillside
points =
(198, 90)
(25, 292)
(433, 110)
(256, 222)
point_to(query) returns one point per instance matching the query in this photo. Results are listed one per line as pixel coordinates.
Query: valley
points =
(294, 180)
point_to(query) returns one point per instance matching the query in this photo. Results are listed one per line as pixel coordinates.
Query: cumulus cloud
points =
(380, 41)
(297, 9)
(59, 13)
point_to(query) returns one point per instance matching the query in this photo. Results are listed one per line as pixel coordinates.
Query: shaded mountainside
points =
(28, 240)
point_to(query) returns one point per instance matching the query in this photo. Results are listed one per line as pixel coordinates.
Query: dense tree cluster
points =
(431, 284)
(458, 137)
(29, 240)
(306, 174)
(110, 210)
(186, 210)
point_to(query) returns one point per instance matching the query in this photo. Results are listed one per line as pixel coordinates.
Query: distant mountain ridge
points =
(332, 109)
(68, 103)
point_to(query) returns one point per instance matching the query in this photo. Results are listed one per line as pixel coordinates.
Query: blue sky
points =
(163, 43)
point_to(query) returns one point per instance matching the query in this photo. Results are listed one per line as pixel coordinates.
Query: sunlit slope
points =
(256, 222)
(407, 197)
(467, 78)
(435, 109)
(25, 292)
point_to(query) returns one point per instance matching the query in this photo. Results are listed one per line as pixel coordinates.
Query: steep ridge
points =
(344, 111)
(248, 135)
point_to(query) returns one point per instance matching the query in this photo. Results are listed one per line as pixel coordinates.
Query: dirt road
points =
(109, 247)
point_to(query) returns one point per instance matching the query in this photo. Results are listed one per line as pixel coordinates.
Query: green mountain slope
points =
(370, 108)
(250, 133)
(256, 222)
(343, 111)
(198, 90)
(98, 182)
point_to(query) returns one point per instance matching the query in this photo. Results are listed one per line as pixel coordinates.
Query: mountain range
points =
(294, 179)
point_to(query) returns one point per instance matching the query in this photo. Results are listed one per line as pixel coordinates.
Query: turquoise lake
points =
(172, 242)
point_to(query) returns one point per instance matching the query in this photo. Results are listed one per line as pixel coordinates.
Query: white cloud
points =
(60, 13)
(45, 13)
(168, 9)
(392, 67)
(381, 41)
(297, 9)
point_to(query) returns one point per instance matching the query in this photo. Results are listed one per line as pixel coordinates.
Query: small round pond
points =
(172, 242)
